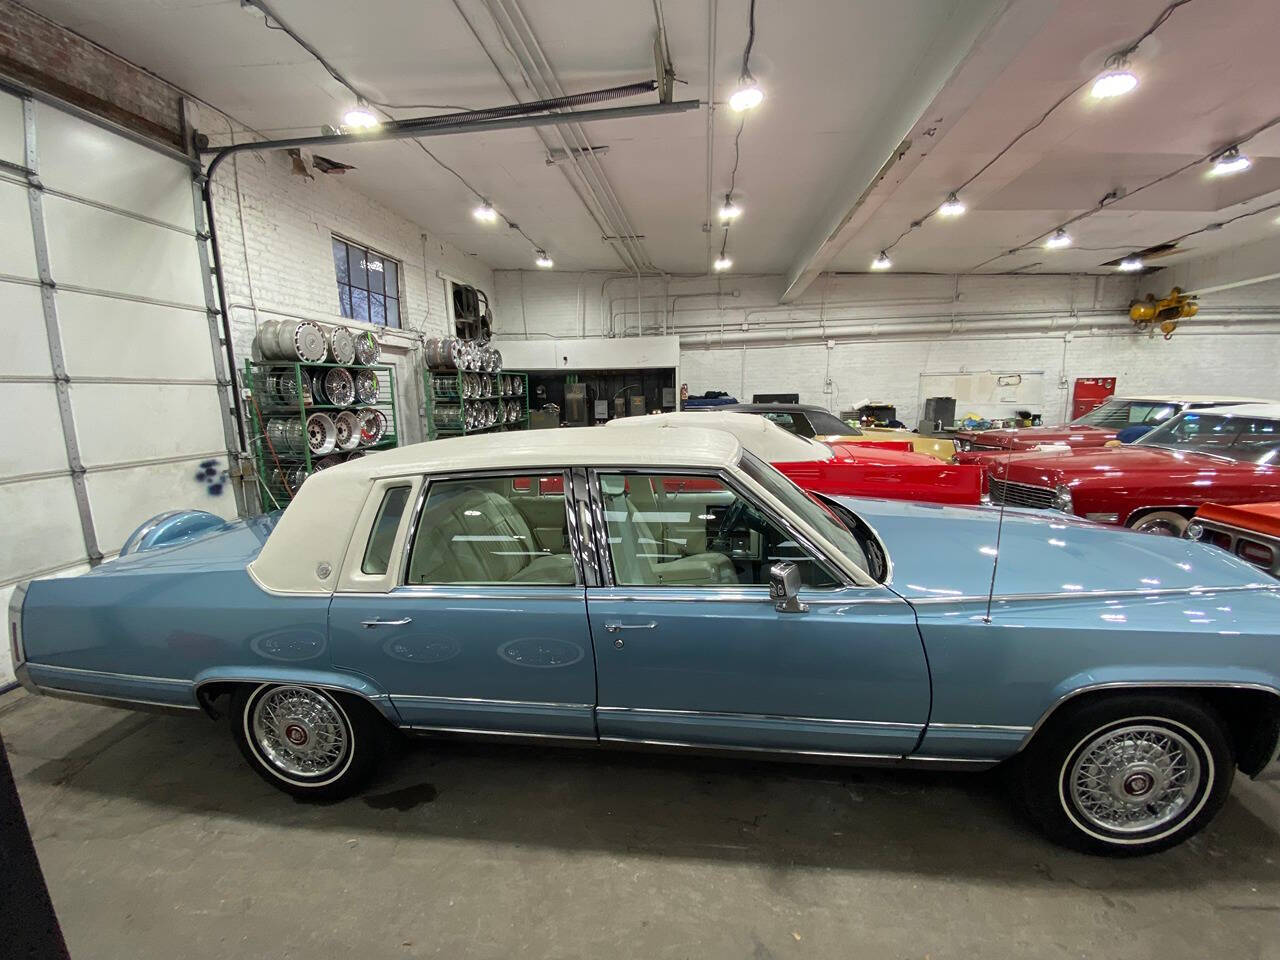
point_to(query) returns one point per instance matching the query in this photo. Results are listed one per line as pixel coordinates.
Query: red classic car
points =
(1251, 531)
(838, 469)
(1227, 455)
(1094, 428)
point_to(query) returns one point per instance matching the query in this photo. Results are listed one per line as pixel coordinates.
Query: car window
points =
(683, 530)
(1119, 414)
(377, 553)
(493, 530)
(1247, 439)
(790, 422)
(826, 424)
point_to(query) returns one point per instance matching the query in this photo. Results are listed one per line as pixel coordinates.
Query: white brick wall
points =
(1241, 361)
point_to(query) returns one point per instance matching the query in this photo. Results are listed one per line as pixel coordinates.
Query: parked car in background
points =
(1251, 531)
(805, 420)
(1154, 485)
(670, 590)
(1097, 427)
(838, 469)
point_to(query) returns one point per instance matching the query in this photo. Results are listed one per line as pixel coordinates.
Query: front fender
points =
(342, 682)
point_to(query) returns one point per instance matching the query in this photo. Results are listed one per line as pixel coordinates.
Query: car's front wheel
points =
(307, 741)
(1162, 523)
(1128, 774)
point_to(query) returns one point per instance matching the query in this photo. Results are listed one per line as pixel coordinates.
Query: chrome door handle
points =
(370, 624)
(614, 627)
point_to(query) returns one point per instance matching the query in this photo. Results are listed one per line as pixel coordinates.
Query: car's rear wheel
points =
(306, 741)
(1128, 774)
(1163, 523)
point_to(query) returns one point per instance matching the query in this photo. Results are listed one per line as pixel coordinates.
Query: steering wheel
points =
(732, 517)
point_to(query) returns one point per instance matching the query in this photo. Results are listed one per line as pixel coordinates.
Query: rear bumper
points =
(17, 649)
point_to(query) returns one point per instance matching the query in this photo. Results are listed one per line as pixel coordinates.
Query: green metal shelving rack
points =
(279, 391)
(447, 403)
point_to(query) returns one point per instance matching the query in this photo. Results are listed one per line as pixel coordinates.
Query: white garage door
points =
(108, 369)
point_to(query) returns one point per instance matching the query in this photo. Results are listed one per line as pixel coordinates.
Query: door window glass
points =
(493, 530)
(683, 530)
(377, 554)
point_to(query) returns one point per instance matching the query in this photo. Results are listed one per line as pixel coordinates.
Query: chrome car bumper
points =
(16, 650)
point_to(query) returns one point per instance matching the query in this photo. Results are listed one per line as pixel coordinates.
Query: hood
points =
(1107, 466)
(1024, 438)
(941, 551)
(872, 455)
(229, 547)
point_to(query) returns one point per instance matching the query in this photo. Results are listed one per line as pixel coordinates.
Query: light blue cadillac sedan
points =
(661, 587)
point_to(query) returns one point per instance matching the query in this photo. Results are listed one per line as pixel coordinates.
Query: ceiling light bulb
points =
(951, 207)
(748, 95)
(1130, 264)
(1060, 239)
(1228, 162)
(722, 262)
(1115, 81)
(545, 262)
(485, 213)
(360, 116)
(730, 211)
(881, 262)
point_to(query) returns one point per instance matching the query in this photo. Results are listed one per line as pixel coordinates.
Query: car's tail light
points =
(1258, 554)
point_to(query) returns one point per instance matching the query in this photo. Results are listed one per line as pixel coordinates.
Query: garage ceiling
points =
(847, 81)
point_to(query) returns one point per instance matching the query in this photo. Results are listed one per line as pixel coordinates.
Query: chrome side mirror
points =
(784, 587)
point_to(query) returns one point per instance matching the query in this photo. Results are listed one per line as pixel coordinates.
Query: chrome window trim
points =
(884, 547)
(1142, 685)
(735, 487)
(717, 593)
(429, 480)
(473, 591)
(713, 715)
(581, 545)
(484, 701)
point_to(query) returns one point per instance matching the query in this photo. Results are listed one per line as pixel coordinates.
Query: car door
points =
(462, 597)
(691, 650)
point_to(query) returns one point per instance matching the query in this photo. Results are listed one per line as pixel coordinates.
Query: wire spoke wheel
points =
(301, 732)
(1135, 778)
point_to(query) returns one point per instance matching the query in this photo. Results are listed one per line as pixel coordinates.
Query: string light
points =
(1130, 265)
(1228, 162)
(881, 262)
(1116, 80)
(951, 207)
(485, 213)
(1059, 240)
(747, 96)
(729, 211)
(544, 261)
(722, 263)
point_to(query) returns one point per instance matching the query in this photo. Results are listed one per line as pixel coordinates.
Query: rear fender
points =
(216, 679)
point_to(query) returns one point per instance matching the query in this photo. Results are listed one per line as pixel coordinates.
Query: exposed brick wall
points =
(48, 57)
(1233, 362)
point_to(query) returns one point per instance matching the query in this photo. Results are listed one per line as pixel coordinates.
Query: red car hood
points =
(873, 455)
(1108, 466)
(1026, 438)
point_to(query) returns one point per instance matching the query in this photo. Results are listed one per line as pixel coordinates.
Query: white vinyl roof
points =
(1268, 410)
(764, 438)
(1183, 398)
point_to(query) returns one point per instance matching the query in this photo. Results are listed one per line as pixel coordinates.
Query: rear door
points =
(690, 649)
(462, 597)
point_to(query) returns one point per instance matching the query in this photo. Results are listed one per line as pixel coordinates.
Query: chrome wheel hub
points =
(300, 731)
(1134, 778)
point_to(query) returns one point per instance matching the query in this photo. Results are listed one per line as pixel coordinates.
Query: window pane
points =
(375, 267)
(669, 530)
(492, 531)
(359, 304)
(359, 275)
(377, 308)
(340, 260)
(377, 555)
(393, 312)
(344, 299)
(391, 278)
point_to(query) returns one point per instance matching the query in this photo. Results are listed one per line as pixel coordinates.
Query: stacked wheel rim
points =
(373, 426)
(322, 434)
(339, 387)
(348, 425)
(286, 436)
(368, 349)
(366, 387)
(295, 340)
(342, 346)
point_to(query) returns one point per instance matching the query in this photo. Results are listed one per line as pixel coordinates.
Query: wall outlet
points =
(826, 385)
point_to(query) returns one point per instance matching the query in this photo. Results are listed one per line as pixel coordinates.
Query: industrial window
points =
(368, 284)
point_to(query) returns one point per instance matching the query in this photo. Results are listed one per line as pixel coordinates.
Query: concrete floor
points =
(158, 841)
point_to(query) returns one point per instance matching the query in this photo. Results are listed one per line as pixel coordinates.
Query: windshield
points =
(800, 503)
(1246, 439)
(825, 424)
(1119, 414)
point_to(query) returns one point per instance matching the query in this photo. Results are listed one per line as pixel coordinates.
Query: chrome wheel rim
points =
(301, 732)
(1158, 528)
(1135, 778)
